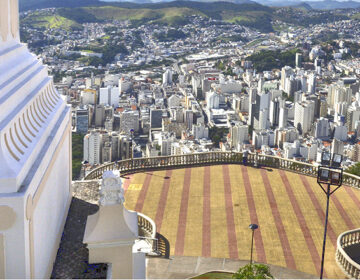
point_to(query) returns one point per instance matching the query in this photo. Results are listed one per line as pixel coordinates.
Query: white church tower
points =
(35, 157)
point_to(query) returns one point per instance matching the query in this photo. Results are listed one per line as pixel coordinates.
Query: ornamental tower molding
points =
(9, 21)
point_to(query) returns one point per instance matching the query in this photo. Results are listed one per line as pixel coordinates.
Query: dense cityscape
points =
(208, 85)
(159, 139)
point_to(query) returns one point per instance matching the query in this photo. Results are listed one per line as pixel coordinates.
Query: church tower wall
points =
(35, 157)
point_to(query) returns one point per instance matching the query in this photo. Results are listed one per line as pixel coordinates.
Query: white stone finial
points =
(14, 18)
(111, 191)
(4, 19)
(9, 20)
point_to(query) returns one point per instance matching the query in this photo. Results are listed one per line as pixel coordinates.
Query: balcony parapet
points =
(348, 248)
(136, 165)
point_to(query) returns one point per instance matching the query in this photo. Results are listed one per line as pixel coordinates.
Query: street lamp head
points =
(336, 160)
(253, 226)
(324, 175)
(325, 158)
(329, 175)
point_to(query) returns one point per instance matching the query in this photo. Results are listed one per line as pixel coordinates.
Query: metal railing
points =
(348, 243)
(136, 165)
(147, 231)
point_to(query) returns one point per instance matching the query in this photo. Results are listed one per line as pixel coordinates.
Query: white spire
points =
(9, 20)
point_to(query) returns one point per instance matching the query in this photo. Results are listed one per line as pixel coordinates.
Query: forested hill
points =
(173, 13)
(41, 4)
(201, 5)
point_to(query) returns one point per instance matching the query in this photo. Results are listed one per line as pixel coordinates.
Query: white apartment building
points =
(200, 131)
(92, 147)
(304, 115)
(239, 134)
(109, 96)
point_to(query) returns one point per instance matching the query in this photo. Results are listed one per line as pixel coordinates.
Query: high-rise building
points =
(99, 115)
(311, 82)
(286, 72)
(340, 132)
(298, 59)
(283, 117)
(156, 118)
(259, 114)
(337, 147)
(125, 147)
(92, 147)
(304, 115)
(35, 156)
(263, 137)
(239, 134)
(322, 128)
(352, 116)
(200, 131)
(82, 120)
(274, 113)
(212, 100)
(167, 77)
(189, 118)
(129, 120)
(109, 96)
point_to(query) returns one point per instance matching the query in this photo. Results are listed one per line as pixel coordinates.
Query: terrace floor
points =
(206, 211)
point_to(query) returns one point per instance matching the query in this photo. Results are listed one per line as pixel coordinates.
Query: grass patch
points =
(77, 154)
(214, 275)
(356, 16)
(47, 20)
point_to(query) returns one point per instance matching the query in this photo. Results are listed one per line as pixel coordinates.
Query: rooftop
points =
(205, 212)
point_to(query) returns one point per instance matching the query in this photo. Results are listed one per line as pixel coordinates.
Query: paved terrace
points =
(205, 211)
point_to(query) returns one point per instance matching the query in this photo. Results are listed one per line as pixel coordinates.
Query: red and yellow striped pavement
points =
(206, 211)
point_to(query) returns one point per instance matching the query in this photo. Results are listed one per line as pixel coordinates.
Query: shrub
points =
(253, 271)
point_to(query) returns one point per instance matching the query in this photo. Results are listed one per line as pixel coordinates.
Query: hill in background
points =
(171, 13)
(70, 14)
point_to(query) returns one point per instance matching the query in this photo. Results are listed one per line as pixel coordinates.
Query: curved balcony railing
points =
(146, 226)
(348, 248)
(129, 166)
(147, 231)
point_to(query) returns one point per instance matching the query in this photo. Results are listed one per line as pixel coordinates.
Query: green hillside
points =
(49, 20)
(171, 13)
(73, 13)
(166, 15)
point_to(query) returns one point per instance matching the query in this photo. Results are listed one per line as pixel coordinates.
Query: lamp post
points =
(253, 227)
(132, 148)
(232, 139)
(329, 174)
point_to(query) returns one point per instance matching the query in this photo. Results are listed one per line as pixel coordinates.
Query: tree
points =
(354, 169)
(253, 271)
(216, 134)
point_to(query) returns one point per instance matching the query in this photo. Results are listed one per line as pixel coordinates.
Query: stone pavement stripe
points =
(206, 227)
(170, 222)
(319, 207)
(232, 242)
(289, 258)
(127, 182)
(162, 201)
(342, 212)
(259, 244)
(301, 219)
(351, 193)
(180, 237)
(143, 192)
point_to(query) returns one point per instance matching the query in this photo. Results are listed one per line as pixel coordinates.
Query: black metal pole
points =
(325, 230)
(252, 242)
